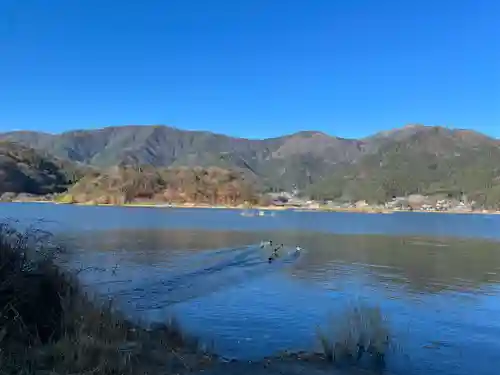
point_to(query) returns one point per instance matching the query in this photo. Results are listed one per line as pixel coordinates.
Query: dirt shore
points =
(266, 208)
(281, 366)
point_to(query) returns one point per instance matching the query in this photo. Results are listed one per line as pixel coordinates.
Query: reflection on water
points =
(439, 294)
(421, 265)
(86, 218)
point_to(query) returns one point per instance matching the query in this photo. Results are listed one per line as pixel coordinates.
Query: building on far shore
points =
(361, 204)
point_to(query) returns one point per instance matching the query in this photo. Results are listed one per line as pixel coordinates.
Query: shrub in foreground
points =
(48, 324)
(358, 334)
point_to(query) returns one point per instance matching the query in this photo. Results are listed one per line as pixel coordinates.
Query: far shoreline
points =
(258, 208)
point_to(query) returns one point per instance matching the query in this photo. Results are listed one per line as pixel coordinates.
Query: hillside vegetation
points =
(119, 185)
(24, 170)
(432, 161)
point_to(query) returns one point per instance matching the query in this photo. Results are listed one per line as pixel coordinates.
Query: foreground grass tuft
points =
(358, 334)
(49, 325)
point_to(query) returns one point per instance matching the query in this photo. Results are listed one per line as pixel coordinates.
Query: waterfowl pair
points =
(275, 253)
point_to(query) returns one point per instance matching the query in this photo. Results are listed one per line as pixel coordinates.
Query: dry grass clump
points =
(360, 334)
(49, 325)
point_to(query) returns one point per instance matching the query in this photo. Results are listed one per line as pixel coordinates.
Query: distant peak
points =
(309, 133)
(415, 126)
(409, 128)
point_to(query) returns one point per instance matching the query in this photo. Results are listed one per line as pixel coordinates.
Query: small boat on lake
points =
(252, 213)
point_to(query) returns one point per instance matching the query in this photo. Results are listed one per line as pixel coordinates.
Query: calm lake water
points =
(435, 277)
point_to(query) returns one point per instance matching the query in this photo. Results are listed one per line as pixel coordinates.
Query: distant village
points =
(414, 202)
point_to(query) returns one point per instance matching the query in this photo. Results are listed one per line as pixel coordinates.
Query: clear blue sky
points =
(253, 68)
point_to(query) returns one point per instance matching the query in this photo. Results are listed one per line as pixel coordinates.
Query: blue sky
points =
(254, 68)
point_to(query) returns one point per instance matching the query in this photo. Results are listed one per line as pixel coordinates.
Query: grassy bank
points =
(49, 325)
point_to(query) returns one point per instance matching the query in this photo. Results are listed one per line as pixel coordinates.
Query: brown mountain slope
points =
(118, 185)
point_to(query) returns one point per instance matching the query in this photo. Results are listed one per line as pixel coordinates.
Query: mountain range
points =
(411, 159)
(302, 158)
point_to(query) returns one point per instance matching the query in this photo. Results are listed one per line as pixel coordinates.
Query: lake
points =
(435, 277)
